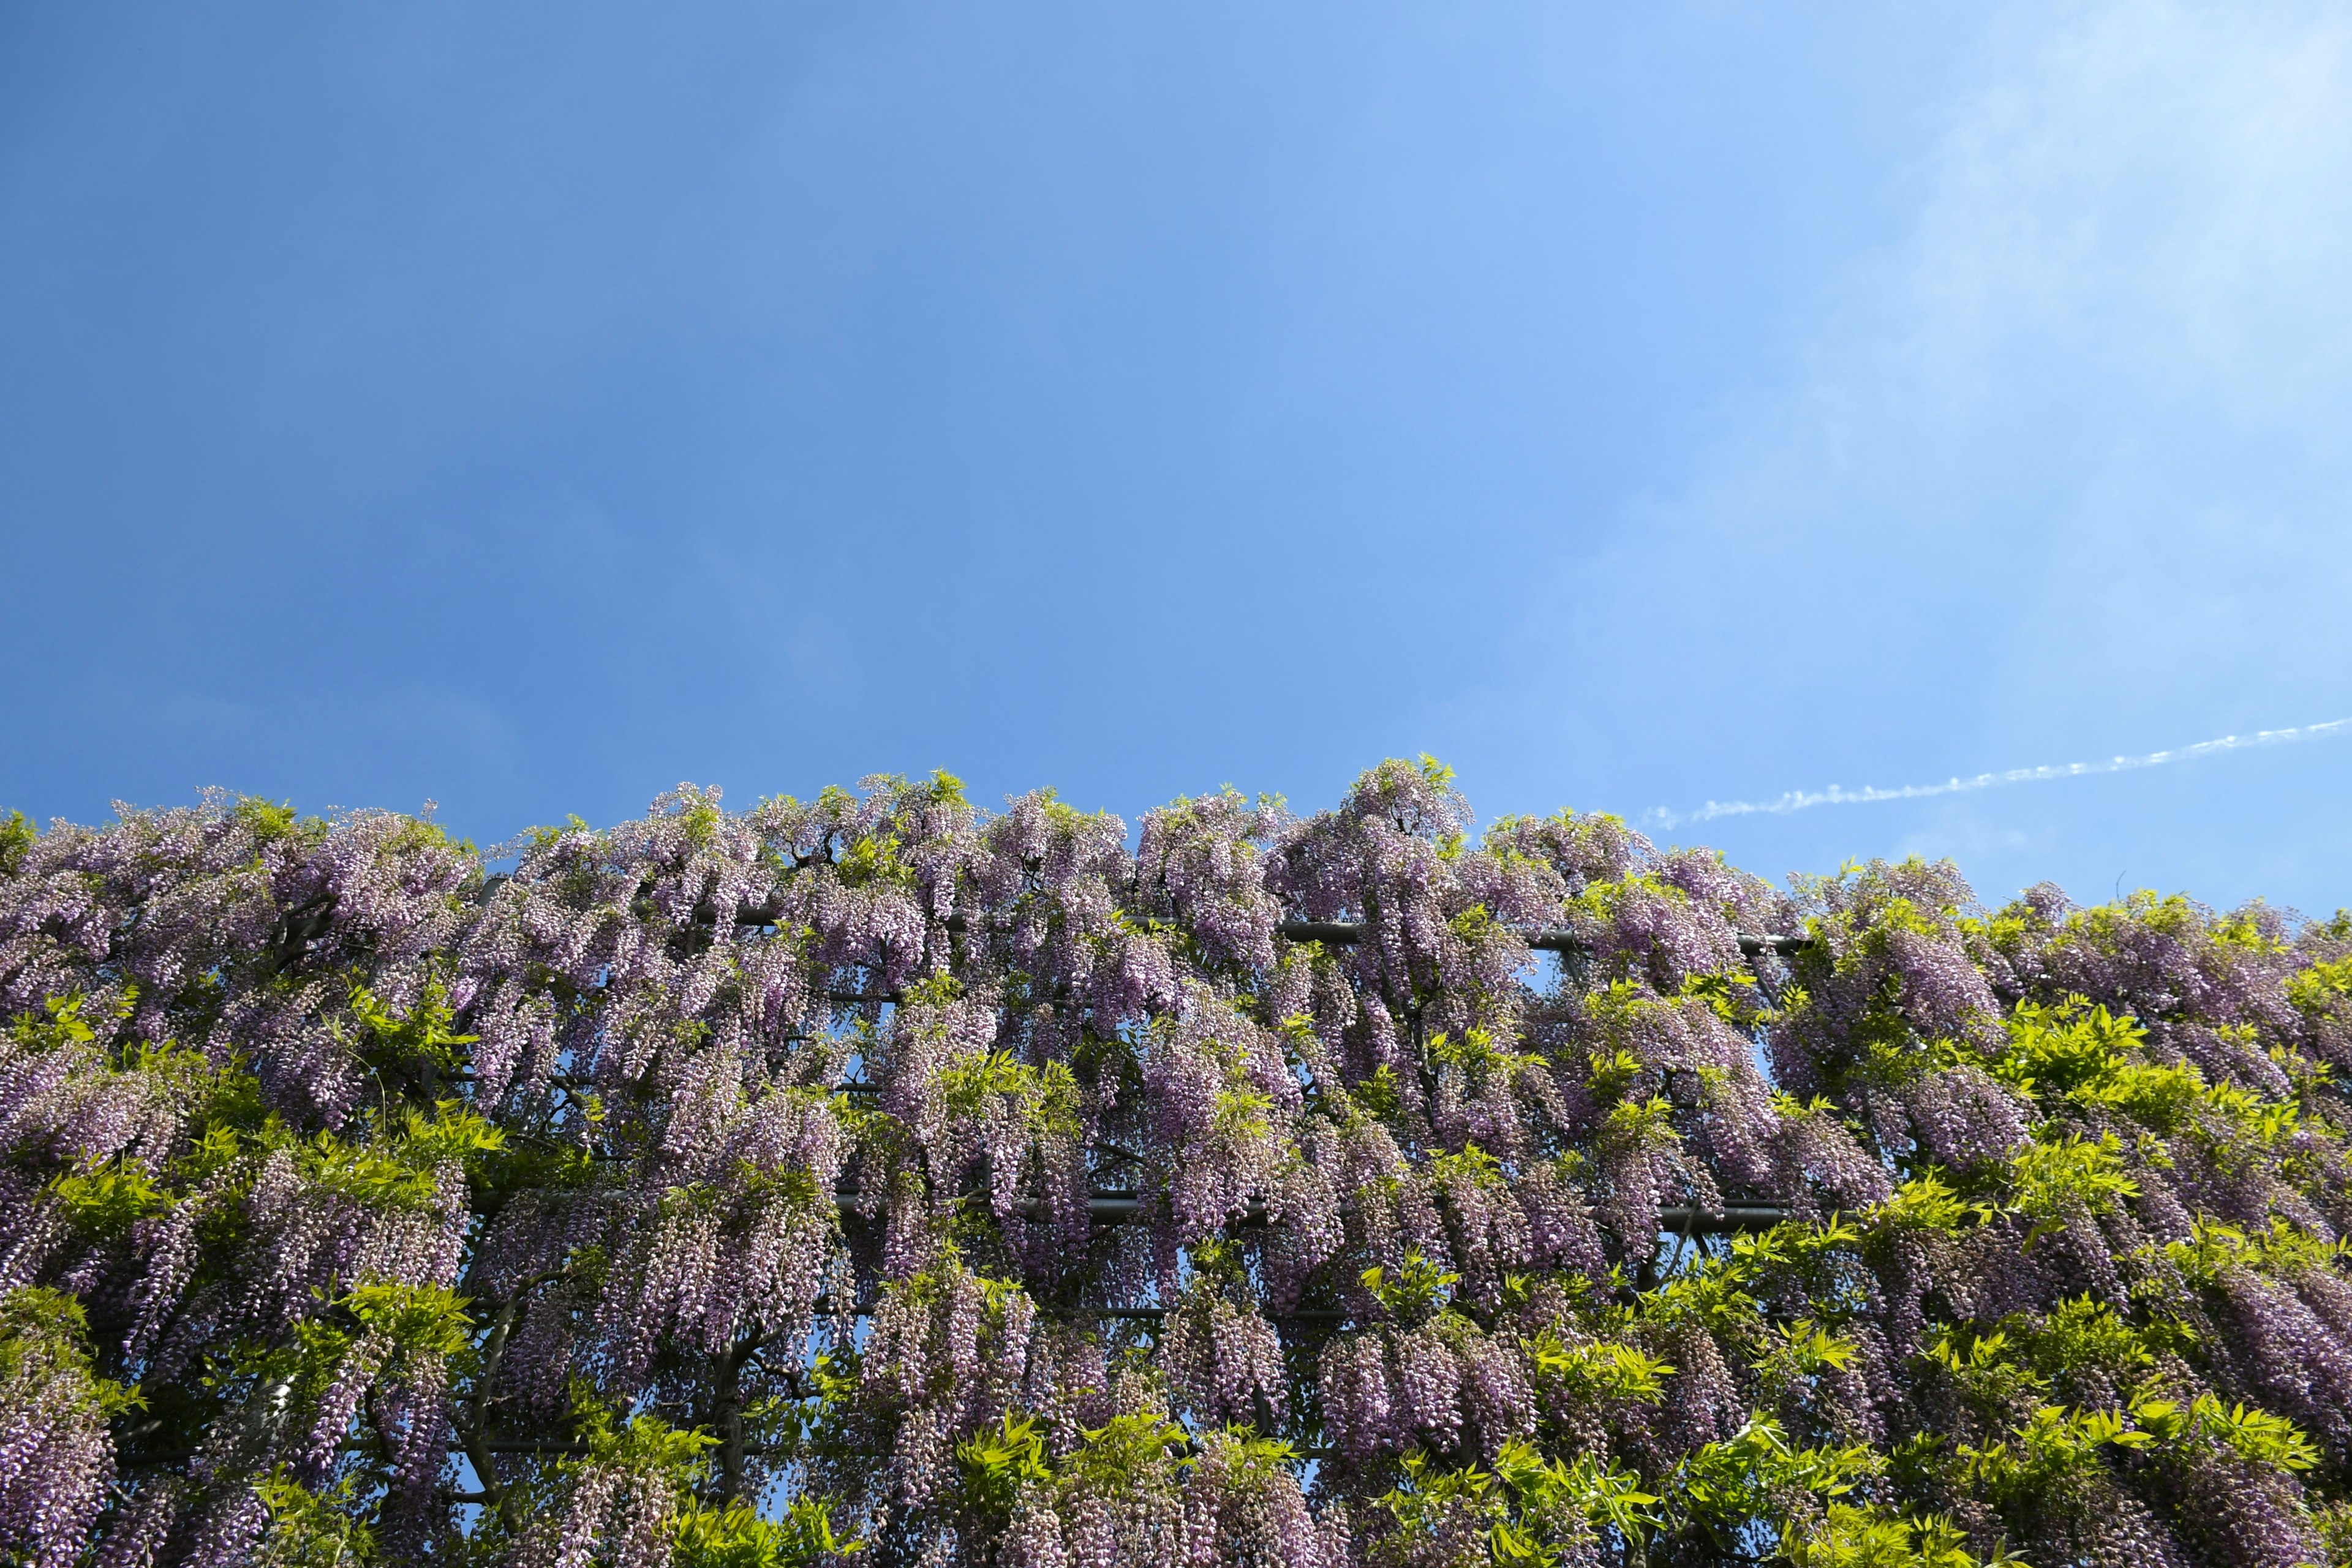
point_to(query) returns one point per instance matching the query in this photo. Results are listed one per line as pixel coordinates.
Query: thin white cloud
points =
(1806, 800)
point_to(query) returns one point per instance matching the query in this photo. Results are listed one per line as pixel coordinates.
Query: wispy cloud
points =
(1805, 800)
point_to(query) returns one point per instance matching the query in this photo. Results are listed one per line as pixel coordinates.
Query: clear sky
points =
(531, 406)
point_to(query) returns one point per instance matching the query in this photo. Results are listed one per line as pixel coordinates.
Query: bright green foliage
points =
(2054, 1182)
(2256, 1434)
(1528, 1511)
(1413, 1291)
(45, 1347)
(1045, 1098)
(1850, 1537)
(735, 1536)
(1747, 1480)
(16, 835)
(994, 1465)
(1599, 1371)
(314, 1529)
(423, 1034)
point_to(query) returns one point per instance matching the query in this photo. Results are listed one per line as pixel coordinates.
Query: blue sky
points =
(530, 407)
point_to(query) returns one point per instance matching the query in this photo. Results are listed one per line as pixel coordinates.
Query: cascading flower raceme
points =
(880, 1179)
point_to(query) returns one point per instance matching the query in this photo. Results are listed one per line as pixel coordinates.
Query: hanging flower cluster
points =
(877, 1179)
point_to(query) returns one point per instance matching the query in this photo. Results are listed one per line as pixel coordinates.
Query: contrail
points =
(1804, 800)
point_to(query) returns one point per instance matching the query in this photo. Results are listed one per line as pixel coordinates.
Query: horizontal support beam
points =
(1725, 1221)
(1543, 938)
(1125, 1208)
(1338, 933)
(556, 1447)
(825, 1309)
(1102, 1208)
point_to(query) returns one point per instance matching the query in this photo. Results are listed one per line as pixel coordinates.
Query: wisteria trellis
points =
(879, 1180)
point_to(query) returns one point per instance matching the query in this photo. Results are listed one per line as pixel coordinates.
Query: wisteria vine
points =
(879, 1180)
